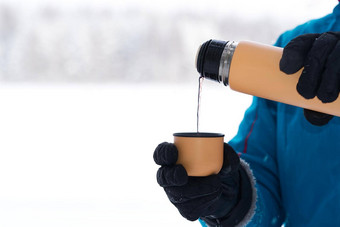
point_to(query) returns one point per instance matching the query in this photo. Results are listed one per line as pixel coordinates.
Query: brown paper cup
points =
(201, 154)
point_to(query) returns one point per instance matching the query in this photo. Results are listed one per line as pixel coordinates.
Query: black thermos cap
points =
(209, 57)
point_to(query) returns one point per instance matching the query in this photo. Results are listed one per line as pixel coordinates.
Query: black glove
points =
(319, 54)
(216, 198)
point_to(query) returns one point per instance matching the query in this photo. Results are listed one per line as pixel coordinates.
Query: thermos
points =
(253, 68)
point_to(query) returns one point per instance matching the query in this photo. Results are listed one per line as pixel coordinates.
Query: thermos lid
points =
(208, 59)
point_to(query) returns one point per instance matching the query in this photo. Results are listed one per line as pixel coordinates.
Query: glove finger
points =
(295, 52)
(165, 154)
(310, 78)
(197, 197)
(172, 176)
(195, 187)
(317, 118)
(329, 87)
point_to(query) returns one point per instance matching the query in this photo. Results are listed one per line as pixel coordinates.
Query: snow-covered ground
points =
(81, 155)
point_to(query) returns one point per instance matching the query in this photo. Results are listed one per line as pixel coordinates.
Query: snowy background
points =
(89, 88)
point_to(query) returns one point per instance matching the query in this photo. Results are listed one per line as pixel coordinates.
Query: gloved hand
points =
(319, 54)
(210, 198)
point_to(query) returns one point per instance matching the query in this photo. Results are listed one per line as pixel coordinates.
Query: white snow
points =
(81, 155)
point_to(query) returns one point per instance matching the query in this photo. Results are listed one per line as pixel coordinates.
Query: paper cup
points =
(201, 154)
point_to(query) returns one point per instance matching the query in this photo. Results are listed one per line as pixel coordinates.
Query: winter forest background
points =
(89, 88)
(130, 41)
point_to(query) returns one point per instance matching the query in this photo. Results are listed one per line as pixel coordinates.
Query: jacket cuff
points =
(244, 209)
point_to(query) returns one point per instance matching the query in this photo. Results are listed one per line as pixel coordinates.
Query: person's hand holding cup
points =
(196, 170)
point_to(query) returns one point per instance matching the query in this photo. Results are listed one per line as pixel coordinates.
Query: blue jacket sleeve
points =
(256, 144)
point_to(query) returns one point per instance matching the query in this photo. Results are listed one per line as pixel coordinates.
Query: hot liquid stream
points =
(200, 82)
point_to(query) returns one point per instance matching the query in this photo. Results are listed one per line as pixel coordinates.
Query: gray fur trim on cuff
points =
(252, 180)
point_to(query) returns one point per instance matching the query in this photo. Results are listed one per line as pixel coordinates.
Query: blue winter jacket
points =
(296, 164)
